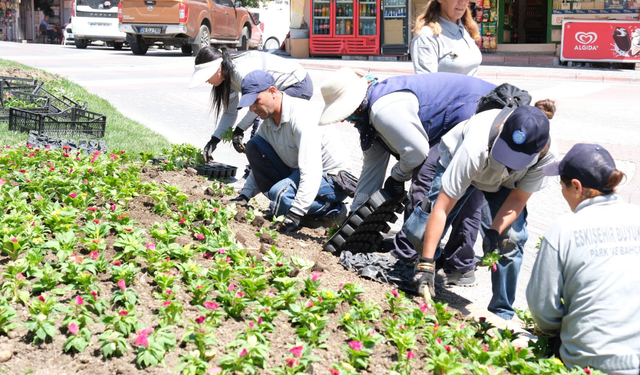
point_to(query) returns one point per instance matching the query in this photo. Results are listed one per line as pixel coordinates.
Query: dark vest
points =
(445, 99)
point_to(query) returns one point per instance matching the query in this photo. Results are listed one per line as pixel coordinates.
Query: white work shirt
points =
(452, 51)
(465, 153)
(285, 72)
(302, 144)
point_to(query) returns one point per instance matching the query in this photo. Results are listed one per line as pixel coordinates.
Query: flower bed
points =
(109, 267)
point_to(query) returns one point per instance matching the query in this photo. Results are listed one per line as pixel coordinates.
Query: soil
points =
(17, 72)
(48, 358)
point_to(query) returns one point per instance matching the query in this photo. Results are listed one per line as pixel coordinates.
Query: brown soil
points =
(17, 72)
(48, 358)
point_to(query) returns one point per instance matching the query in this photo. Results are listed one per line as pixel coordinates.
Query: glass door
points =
(345, 24)
(322, 17)
(395, 22)
(367, 15)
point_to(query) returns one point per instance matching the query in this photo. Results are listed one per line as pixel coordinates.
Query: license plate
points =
(99, 24)
(150, 30)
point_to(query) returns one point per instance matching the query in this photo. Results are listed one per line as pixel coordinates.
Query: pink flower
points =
(410, 355)
(315, 276)
(200, 319)
(200, 236)
(438, 340)
(211, 305)
(242, 353)
(356, 345)
(291, 362)
(207, 255)
(124, 313)
(222, 251)
(271, 294)
(13, 239)
(494, 267)
(142, 340)
(19, 276)
(279, 264)
(251, 325)
(22, 171)
(2, 181)
(167, 303)
(151, 246)
(146, 331)
(97, 221)
(239, 295)
(94, 294)
(168, 291)
(333, 371)
(182, 220)
(117, 263)
(395, 293)
(296, 351)
(122, 285)
(128, 229)
(587, 370)
(73, 328)
(259, 320)
(215, 370)
(41, 298)
(79, 301)
(482, 319)
(215, 209)
(230, 288)
(423, 307)
(309, 305)
(73, 195)
(113, 207)
(447, 348)
(94, 255)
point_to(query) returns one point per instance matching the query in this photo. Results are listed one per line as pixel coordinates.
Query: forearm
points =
(510, 210)
(436, 223)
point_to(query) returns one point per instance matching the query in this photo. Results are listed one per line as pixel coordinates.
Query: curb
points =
(485, 75)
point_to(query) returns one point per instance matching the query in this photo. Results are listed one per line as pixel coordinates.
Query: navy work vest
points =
(445, 99)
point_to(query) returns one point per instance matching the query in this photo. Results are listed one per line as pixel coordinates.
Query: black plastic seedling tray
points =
(217, 170)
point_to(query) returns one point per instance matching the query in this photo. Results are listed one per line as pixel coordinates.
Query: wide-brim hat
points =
(202, 72)
(343, 93)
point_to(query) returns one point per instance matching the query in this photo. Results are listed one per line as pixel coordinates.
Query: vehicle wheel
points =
(244, 41)
(139, 47)
(186, 49)
(117, 45)
(204, 37)
(81, 43)
(271, 43)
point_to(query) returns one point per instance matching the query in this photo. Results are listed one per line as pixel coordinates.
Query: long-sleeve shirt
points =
(302, 144)
(584, 285)
(285, 72)
(466, 155)
(453, 50)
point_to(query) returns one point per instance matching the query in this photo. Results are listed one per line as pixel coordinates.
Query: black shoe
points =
(467, 279)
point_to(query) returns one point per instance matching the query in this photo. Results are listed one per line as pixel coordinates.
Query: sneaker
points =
(467, 279)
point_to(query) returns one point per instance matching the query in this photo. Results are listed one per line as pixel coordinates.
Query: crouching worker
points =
(504, 162)
(584, 283)
(293, 162)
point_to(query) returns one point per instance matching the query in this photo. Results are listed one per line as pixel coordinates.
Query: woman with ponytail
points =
(445, 39)
(584, 283)
(225, 73)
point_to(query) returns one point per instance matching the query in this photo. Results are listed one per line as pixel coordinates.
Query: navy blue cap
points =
(253, 84)
(588, 163)
(523, 136)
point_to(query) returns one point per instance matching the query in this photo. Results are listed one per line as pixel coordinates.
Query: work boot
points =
(467, 279)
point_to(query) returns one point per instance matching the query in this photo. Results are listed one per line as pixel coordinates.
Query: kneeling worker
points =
(293, 162)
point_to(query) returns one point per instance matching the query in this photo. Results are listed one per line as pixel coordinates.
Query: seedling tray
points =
(88, 146)
(61, 103)
(42, 103)
(73, 122)
(217, 170)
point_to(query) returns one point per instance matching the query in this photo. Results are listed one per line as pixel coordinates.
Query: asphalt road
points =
(592, 106)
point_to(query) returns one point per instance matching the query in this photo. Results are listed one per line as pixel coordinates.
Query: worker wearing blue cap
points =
(503, 159)
(293, 161)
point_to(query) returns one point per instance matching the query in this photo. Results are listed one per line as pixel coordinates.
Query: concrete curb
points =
(581, 76)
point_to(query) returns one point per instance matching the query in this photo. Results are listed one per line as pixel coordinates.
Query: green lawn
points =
(122, 133)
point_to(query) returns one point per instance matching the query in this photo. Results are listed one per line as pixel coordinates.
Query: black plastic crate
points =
(11, 86)
(42, 104)
(71, 122)
(61, 103)
(217, 170)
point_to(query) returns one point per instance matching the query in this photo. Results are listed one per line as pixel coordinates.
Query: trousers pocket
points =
(415, 226)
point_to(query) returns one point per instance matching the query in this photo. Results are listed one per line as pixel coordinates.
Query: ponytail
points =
(219, 94)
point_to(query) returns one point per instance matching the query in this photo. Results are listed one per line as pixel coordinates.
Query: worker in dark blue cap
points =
(584, 283)
(504, 160)
(293, 161)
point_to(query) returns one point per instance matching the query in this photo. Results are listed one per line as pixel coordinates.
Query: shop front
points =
(19, 19)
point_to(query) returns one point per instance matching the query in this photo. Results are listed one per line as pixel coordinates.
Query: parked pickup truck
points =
(189, 24)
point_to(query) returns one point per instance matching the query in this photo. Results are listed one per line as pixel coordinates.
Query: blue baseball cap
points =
(523, 136)
(253, 84)
(588, 163)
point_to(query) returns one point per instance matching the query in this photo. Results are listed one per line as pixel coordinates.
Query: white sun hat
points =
(202, 72)
(343, 93)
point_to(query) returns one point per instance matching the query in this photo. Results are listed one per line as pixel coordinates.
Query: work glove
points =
(425, 277)
(209, 148)
(394, 187)
(238, 135)
(291, 223)
(241, 199)
(491, 241)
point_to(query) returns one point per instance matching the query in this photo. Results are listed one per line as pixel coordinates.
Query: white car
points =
(276, 20)
(67, 34)
(96, 20)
